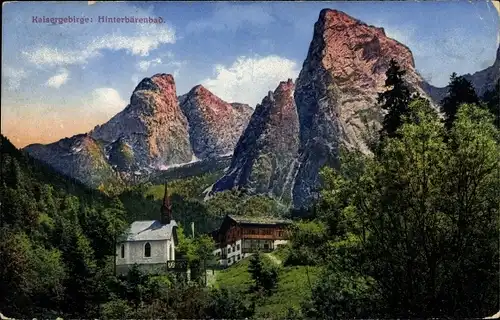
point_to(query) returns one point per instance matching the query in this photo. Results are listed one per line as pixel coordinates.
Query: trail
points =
(274, 259)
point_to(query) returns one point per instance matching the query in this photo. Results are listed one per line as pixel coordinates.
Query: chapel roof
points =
(149, 230)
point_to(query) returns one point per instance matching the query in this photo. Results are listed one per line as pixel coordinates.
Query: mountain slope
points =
(264, 158)
(482, 81)
(341, 76)
(152, 128)
(214, 125)
(80, 157)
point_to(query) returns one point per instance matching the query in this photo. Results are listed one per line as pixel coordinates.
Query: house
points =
(150, 244)
(239, 237)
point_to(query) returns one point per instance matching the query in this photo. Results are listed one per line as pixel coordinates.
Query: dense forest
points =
(411, 231)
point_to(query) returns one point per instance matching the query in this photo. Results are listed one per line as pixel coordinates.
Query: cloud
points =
(59, 79)
(248, 80)
(139, 43)
(14, 76)
(232, 17)
(144, 65)
(160, 65)
(105, 101)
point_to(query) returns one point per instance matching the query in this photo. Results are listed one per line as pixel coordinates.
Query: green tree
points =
(460, 91)
(225, 304)
(264, 275)
(416, 228)
(492, 100)
(395, 99)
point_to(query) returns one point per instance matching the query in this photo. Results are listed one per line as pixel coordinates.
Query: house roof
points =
(149, 230)
(259, 220)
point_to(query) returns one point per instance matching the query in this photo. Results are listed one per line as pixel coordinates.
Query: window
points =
(239, 257)
(123, 251)
(147, 250)
(238, 247)
(229, 250)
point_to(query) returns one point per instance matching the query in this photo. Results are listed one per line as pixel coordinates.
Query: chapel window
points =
(147, 250)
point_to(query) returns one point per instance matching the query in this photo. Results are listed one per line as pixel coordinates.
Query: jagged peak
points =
(156, 82)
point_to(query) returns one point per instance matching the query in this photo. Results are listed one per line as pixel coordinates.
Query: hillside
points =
(294, 286)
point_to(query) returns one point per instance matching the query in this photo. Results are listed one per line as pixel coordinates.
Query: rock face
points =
(150, 133)
(214, 125)
(79, 157)
(264, 160)
(152, 130)
(337, 86)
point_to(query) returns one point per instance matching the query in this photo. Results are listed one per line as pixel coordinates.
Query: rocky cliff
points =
(214, 125)
(337, 86)
(264, 159)
(152, 130)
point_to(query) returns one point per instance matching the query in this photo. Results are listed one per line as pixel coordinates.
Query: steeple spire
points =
(166, 208)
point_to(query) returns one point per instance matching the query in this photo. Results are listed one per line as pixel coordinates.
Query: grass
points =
(294, 286)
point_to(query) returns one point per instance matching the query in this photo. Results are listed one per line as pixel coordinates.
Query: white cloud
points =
(59, 79)
(144, 65)
(173, 67)
(248, 80)
(105, 101)
(232, 17)
(139, 43)
(14, 77)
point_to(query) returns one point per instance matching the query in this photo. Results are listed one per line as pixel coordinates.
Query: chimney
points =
(166, 208)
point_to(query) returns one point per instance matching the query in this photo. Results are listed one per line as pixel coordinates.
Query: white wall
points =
(161, 251)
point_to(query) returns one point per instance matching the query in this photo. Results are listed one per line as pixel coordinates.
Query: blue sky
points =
(64, 79)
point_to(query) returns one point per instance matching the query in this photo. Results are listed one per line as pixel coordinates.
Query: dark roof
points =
(259, 220)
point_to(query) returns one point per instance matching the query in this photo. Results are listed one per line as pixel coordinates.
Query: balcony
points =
(254, 250)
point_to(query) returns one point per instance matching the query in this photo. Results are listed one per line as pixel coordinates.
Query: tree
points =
(225, 304)
(492, 100)
(460, 91)
(417, 227)
(264, 275)
(394, 100)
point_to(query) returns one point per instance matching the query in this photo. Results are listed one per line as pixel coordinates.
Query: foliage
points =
(413, 231)
(492, 100)
(225, 304)
(264, 275)
(307, 240)
(395, 99)
(460, 91)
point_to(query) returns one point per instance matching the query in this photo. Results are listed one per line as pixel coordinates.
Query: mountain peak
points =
(348, 43)
(158, 82)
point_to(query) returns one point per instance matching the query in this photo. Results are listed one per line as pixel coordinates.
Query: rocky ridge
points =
(337, 87)
(214, 125)
(264, 160)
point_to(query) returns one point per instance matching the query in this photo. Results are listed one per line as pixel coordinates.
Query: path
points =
(211, 278)
(273, 258)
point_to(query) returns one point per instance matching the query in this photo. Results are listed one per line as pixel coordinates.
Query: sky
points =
(59, 80)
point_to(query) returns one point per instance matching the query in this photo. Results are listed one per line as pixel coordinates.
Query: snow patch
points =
(76, 149)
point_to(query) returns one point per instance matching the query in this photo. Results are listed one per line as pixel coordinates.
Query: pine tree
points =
(492, 100)
(460, 91)
(395, 99)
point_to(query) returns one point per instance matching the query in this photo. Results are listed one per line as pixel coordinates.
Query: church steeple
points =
(166, 208)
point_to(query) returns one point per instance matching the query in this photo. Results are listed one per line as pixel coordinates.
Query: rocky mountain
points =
(80, 157)
(151, 134)
(264, 160)
(214, 125)
(482, 81)
(337, 86)
(151, 131)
